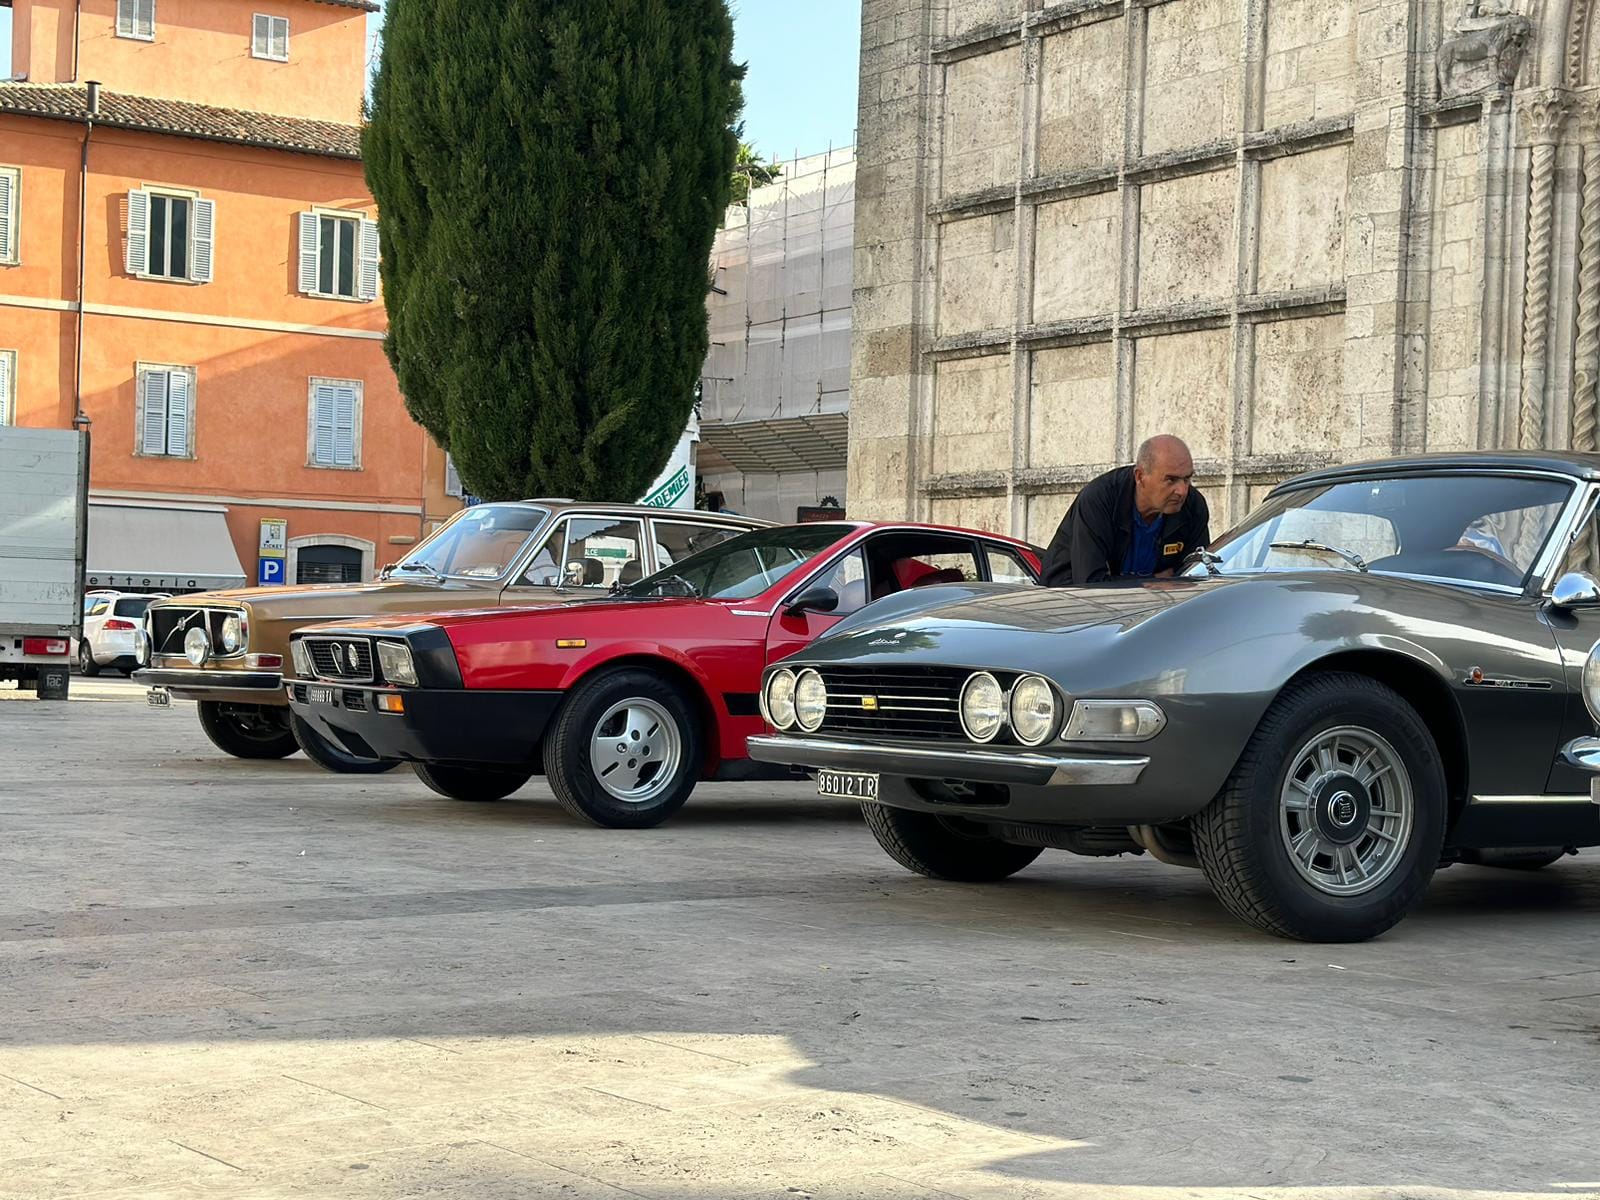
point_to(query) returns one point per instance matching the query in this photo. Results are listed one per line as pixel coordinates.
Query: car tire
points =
(331, 757)
(473, 784)
(658, 751)
(1331, 825)
(248, 730)
(87, 666)
(945, 847)
(1517, 859)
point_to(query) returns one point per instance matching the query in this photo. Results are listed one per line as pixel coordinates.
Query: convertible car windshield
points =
(1467, 528)
(742, 566)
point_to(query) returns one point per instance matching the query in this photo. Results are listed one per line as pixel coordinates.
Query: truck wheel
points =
(625, 750)
(945, 847)
(475, 784)
(248, 730)
(331, 757)
(86, 663)
(1331, 824)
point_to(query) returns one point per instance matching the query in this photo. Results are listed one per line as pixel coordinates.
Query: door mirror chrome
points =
(1575, 589)
(817, 599)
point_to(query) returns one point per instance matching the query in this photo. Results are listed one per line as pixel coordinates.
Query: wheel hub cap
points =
(1346, 810)
(1342, 809)
(635, 749)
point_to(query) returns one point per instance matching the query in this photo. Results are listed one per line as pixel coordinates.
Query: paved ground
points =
(225, 979)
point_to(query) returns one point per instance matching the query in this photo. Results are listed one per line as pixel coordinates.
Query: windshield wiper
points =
(1350, 556)
(1205, 556)
(694, 592)
(421, 566)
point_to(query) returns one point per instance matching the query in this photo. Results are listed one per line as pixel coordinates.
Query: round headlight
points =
(1033, 710)
(983, 707)
(232, 635)
(810, 700)
(197, 646)
(780, 699)
(141, 647)
(1591, 682)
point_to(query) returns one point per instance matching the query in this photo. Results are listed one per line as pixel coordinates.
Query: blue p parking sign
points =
(269, 571)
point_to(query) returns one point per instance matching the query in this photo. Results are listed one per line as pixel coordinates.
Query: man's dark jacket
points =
(1097, 531)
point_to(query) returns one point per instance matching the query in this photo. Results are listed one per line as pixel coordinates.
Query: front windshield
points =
(742, 566)
(482, 543)
(1470, 528)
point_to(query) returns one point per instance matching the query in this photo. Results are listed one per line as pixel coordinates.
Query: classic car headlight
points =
(1114, 721)
(810, 700)
(1033, 710)
(232, 634)
(1591, 682)
(141, 646)
(780, 699)
(197, 646)
(983, 707)
(395, 658)
(302, 660)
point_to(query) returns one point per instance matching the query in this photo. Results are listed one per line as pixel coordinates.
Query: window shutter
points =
(125, 17)
(309, 228)
(138, 233)
(178, 413)
(7, 404)
(322, 425)
(279, 32)
(261, 36)
(204, 218)
(452, 478)
(344, 417)
(367, 272)
(153, 395)
(145, 22)
(9, 184)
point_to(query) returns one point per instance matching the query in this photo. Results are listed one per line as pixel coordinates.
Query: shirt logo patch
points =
(1171, 548)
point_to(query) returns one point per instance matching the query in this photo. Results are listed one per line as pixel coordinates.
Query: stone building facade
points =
(1292, 231)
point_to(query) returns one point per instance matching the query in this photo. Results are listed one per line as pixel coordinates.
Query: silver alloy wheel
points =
(1346, 811)
(635, 750)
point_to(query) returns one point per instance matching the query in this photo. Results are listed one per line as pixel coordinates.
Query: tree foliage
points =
(751, 171)
(550, 175)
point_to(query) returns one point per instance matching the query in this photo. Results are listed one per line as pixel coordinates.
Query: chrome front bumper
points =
(1584, 753)
(926, 762)
(207, 685)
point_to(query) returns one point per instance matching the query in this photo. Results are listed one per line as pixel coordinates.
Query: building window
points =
(165, 416)
(328, 564)
(338, 256)
(137, 19)
(10, 214)
(270, 38)
(8, 387)
(334, 427)
(170, 236)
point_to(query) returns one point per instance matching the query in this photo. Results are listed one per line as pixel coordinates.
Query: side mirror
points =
(817, 599)
(574, 574)
(1575, 589)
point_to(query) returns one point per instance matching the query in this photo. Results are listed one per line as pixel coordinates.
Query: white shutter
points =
(145, 22)
(452, 478)
(10, 185)
(7, 400)
(344, 419)
(125, 17)
(367, 269)
(178, 413)
(261, 36)
(138, 232)
(202, 224)
(153, 395)
(309, 228)
(322, 424)
(279, 44)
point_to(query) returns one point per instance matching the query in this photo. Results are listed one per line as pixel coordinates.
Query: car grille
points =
(911, 702)
(170, 623)
(346, 659)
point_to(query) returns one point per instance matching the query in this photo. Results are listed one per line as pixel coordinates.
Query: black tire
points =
(331, 757)
(1240, 841)
(945, 847)
(580, 789)
(473, 784)
(248, 730)
(86, 663)
(1517, 859)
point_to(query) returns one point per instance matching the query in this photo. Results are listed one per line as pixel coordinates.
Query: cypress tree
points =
(550, 175)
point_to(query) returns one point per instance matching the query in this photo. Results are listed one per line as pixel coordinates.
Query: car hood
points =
(337, 600)
(558, 609)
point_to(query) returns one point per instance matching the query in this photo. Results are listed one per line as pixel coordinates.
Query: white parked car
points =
(110, 622)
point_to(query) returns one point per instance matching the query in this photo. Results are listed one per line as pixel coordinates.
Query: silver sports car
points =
(1385, 667)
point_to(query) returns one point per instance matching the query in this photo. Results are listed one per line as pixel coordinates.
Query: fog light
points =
(197, 646)
(983, 707)
(810, 700)
(1114, 721)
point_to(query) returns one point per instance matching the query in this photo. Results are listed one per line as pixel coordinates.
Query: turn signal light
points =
(390, 702)
(263, 660)
(44, 646)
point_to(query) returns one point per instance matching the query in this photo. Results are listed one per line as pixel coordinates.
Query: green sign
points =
(670, 492)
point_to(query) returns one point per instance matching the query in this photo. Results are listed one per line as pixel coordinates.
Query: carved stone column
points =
(1544, 114)
(1587, 356)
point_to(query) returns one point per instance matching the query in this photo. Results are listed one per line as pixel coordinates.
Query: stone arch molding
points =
(369, 551)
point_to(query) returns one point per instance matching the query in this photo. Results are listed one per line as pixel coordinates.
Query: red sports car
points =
(626, 700)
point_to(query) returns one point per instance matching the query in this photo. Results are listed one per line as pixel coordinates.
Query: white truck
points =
(44, 499)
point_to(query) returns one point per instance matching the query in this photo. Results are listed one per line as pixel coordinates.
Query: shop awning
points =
(814, 442)
(176, 547)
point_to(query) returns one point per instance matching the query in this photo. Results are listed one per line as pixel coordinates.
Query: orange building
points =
(188, 262)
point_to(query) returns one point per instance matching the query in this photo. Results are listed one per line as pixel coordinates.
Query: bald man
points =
(1132, 522)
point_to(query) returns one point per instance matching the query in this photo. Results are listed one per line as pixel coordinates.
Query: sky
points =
(800, 93)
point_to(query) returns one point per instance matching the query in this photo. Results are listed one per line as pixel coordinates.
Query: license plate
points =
(158, 698)
(319, 695)
(849, 785)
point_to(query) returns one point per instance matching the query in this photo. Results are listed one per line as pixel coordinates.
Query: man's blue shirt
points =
(1142, 553)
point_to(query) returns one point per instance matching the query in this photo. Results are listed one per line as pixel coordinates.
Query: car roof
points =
(1572, 463)
(561, 505)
